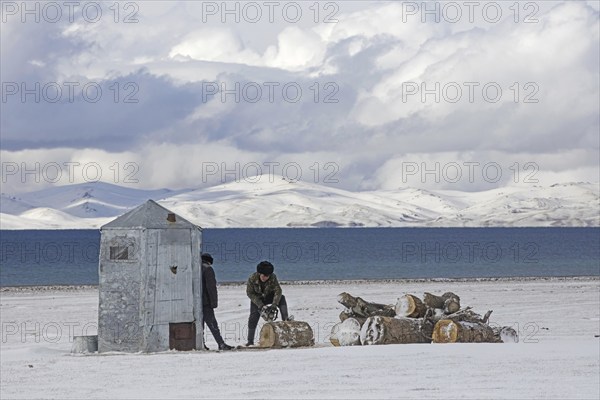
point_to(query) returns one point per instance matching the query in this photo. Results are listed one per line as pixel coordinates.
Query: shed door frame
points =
(173, 276)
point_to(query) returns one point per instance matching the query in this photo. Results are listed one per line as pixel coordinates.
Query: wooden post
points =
(286, 334)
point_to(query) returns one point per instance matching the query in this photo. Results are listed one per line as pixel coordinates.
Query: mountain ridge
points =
(277, 202)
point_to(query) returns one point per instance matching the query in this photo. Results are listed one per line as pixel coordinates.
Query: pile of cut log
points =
(437, 319)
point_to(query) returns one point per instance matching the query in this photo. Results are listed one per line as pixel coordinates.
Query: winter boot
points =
(225, 346)
(251, 333)
(284, 313)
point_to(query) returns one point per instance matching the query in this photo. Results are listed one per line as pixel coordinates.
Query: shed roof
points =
(149, 215)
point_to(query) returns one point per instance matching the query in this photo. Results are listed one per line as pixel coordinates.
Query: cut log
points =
(449, 302)
(505, 334)
(387, 330)
(346, 333)
(449, 331)
(451, 305)
(344, 315)
(286, 334)
(433, 301)
(410, 306)
(361, 308)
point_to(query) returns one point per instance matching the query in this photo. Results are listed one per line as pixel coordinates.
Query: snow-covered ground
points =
(275, 202)
(558, 355)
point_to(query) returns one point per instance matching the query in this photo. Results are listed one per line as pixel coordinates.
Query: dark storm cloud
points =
(170, 59)
(114, 117)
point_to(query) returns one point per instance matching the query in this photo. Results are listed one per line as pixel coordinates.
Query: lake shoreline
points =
(73, 288)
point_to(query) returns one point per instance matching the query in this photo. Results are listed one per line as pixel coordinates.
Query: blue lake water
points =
(37, 257)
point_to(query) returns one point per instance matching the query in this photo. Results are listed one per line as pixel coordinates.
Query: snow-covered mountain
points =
(276, 202)
(87, 205)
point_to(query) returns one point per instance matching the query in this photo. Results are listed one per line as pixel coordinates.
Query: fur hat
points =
(265, 268)
(207, 258)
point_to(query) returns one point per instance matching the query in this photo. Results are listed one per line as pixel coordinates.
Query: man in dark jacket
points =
(263, 288)
(210, 300)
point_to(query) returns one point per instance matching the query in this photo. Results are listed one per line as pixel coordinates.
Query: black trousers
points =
(255, 315)
(210, 320)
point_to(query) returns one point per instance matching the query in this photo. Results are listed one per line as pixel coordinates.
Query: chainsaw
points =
(269, 313)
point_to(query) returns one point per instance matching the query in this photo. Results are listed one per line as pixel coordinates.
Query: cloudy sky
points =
(357, 95)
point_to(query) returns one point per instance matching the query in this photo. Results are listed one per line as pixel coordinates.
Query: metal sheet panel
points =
(119, 295)
(149, 215)
(174, 297)
(148, 289)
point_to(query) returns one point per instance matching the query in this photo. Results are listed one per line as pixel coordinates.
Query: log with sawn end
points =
(387, 330)
(410, 306)
(450, 331)
(286, 334)
(449, 302)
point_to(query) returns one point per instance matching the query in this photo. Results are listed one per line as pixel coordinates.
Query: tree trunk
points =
(449, 302)
(359, 307)
(449, 331)
(286, 334)
(346, 333)
(433, 301)
(386, 330)
(410, 306)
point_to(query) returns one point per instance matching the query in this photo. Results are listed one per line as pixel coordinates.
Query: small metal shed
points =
(150, 289)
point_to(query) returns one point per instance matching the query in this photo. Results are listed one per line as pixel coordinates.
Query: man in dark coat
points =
(263, 288)
(210, 301)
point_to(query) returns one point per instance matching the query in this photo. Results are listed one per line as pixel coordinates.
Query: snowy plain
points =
(557, 356)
